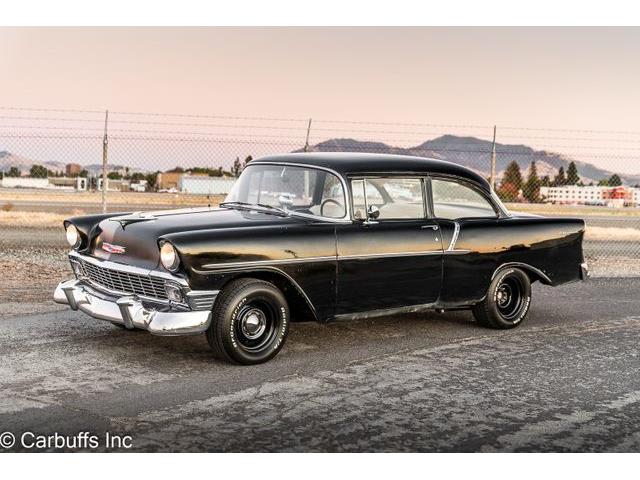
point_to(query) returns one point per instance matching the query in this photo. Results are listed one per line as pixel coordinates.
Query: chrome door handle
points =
(432, 227)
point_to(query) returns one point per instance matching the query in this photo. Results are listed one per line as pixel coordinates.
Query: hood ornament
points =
(109, 248)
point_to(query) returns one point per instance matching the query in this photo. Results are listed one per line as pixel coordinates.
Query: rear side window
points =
(453, 200)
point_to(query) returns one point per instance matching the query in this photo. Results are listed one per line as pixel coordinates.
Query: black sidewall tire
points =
(487, 312)
(224, 321)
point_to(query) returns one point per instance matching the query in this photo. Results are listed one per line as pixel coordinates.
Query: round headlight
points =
(169, 256)
(73, 236)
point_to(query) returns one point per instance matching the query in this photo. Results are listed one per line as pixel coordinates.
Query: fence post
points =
(492, 178)
(105, 147)
(306, 143)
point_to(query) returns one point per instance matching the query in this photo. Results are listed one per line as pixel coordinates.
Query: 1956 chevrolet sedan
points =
(318, 237)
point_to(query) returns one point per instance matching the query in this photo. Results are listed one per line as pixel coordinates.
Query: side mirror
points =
(373, 212)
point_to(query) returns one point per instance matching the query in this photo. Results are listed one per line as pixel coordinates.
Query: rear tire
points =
(507, 301)
(249, 322)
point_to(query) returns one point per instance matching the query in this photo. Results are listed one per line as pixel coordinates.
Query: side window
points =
(396, 198)
(453, 200)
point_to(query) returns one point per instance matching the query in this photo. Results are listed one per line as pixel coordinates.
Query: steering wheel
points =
(329, 200)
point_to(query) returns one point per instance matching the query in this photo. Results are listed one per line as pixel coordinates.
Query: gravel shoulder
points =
(32, 262)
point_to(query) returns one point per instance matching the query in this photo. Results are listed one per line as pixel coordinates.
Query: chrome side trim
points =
(390, 254)
(285, 261)
(454, 238)
(346, 218)
(255, 263)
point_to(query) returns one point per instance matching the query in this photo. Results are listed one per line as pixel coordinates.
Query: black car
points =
(318, 237)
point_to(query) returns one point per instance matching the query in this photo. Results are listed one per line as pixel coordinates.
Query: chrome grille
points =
(124, 282)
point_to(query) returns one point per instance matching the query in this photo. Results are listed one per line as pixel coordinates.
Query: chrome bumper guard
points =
(129, 311)
(584, 271)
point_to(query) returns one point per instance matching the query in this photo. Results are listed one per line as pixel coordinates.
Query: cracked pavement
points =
(566, 380)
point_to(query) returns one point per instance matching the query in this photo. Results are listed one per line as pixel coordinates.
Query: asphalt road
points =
(566, 380)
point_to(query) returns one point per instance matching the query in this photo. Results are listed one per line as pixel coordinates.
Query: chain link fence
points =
(52, 162)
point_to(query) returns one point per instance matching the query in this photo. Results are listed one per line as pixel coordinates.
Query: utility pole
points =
(306, 143)
(105, 147)
(492, 178)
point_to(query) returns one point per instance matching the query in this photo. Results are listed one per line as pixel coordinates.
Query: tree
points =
(151, 179)
(114, 176)
(531, 189)
(247, 160)
(215, 172)
(512, 175)
(604, 182)
(38, 171)
(14, 172)
(83, 173)
(237, 167)
(614, 180)
(137, 176)
(572, 174)
(545, 181)
(511, 183)
(560, 179)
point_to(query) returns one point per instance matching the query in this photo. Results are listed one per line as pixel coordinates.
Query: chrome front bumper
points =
(129, 311)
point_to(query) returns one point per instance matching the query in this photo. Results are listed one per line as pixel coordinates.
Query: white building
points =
(591, 195)
(204, 185)
(24, 182)
(587, 195)
(140, 186)
(57, 183)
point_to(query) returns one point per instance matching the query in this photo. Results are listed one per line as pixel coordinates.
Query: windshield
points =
(300, 190)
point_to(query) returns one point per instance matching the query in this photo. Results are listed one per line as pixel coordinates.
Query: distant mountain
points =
(471, 152)
(8, 160)
(475, 154)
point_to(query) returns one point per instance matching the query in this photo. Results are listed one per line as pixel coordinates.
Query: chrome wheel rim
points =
(253, 323)
(509, 298)
(256, 326)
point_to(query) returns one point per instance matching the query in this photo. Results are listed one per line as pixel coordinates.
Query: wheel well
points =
(299, 305)
(533, 273)
(533, 276)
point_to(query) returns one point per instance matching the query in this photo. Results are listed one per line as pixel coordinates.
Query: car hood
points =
(133, 238)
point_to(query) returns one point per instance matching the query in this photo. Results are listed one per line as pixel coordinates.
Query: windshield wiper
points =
(250, 206)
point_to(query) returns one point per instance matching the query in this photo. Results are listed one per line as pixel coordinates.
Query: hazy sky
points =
(568, 78)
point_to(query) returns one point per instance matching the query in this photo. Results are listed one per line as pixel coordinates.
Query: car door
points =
(392, 258)
(473, 234)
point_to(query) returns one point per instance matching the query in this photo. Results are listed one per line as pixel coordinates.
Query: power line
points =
(58, 110)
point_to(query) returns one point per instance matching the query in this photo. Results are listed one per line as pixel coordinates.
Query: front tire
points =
(507, 302)
(249, 322)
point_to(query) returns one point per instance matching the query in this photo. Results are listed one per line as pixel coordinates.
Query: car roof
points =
(347, 163)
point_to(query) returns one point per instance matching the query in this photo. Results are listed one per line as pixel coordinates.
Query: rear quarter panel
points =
(551, 245)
